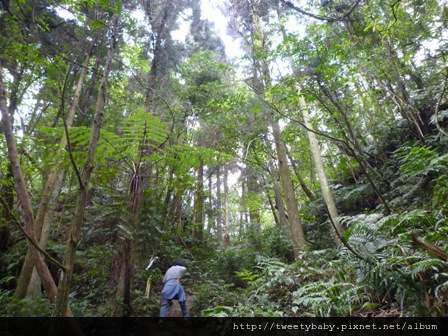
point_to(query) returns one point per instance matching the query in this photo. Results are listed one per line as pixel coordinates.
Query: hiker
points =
(173, 290)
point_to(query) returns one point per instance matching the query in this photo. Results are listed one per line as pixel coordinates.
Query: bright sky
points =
(211, 12)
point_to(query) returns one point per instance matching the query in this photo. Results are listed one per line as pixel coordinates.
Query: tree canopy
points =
(306, 178)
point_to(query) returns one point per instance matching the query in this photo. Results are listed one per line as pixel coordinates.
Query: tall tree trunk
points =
(218, 205)
(273, 210)
(35, 283)
(177, 211)
(22, 193)
(226, 207)
(54, 175)
(161, 32)
(253, 190)
(246, 221)
(84, 179)
(335, 227)
(302, 183)
(410, 112)
(7, 195)
(7, 188)
(279, 205)
(295, 222)
(297, 234)
(198, 220)
(354, 148)
(210, 212)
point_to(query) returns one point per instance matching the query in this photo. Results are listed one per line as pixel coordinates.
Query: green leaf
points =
(96, 24)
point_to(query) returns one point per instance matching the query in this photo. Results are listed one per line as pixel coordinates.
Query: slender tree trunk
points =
(198, 221)
(176, 213)
(7, 195)
(336, 230)
(273, 210)
(159, 53)
(169, 198)
(84, 179)
(218, 205)
(210, 212)
(226, 207)
(410, 111)
(35, 283)
(27, 268)
(6, 188)
(356, 151)
(253, 190)
(283, 219)
(246, 219)
(302, 183)
(22, 193)
(297, 234)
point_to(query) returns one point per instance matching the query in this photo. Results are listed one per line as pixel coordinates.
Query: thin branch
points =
(276, 109)
(394, 13)
(330, 19)
(69, 148)
(418, 241)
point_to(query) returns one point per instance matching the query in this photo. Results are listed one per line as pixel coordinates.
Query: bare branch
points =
(330, 19)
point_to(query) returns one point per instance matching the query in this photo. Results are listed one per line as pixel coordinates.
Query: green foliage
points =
(235, 259)
(393, 274)
(38, 306)
(265, 294)
(213, 291)
(91, 278)
(440, 199)
(149, 229)
(5, 298)
(420, 161)
(373, 81)
(392, 268)
(327, 298)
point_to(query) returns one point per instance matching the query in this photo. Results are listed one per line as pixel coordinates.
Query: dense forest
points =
(307, 177)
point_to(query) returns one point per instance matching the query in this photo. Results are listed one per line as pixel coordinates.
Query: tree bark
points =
(280, 206)
(297, 234)
(22, 193)
(198, 221)
(27, 268)
(418, 241)
(161, 29)
(78, 218)
(122, 278)
(210, 212)
(273, 210)
(295, 222)
(253, 190)
(336, 230)
(226, 207)
(7, 193)
(218, 205)
(245, 213)
(302, 183)
(35, 283)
